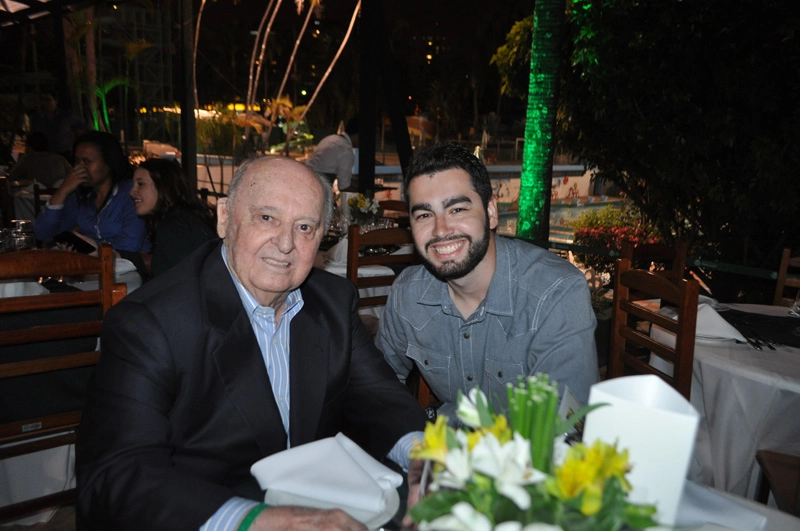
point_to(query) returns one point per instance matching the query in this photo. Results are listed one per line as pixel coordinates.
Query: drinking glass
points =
(795, 311)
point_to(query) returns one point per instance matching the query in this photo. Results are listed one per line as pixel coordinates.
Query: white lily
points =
(509, 465)
(467, 410)
(457, 470)
(463, 517)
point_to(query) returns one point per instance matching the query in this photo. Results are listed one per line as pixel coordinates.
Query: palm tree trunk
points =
(91, 68)
(533, 220)
(194, 52)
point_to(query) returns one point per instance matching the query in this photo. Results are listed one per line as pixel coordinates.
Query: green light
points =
(533, 222)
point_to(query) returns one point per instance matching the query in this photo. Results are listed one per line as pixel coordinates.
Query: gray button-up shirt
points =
(537, 317)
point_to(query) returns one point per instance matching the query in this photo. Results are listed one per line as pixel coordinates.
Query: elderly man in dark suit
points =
(239, 352)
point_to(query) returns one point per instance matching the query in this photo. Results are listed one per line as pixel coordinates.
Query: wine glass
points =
(795, 310)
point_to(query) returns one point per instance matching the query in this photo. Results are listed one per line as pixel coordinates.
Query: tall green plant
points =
(540, 119)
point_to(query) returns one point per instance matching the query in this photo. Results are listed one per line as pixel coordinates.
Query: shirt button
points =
(426, 362)
(466, 335)
(500, 374)
(469, 378)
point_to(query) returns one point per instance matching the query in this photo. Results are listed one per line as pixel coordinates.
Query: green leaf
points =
(576, 417)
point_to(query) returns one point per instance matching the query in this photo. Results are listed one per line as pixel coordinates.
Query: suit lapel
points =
(237, 357)
(309, 371)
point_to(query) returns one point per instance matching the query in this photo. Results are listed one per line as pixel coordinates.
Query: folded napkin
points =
(710, 325)
(331, 473)
(702, 505)
(338, 253)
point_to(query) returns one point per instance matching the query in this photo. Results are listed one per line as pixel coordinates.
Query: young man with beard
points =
(484, 309)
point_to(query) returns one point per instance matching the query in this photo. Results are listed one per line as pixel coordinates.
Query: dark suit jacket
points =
(182, 405)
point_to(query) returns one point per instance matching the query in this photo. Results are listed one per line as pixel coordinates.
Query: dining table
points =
(746, 389)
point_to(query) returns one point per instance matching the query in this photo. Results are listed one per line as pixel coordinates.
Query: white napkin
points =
(700, 505)
(338, 253)
(657, 426)
(332, 472)
(122, 266)
(710, 325)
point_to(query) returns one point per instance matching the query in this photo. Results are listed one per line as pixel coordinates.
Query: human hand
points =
(415, 471)
(304, 518)
(75, 178)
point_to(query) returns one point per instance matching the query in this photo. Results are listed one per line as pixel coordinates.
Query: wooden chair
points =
(45, 339)
(780, 473)
(355, 259)
(671, 258)
(631, 344)
(396, 210)
(787, 265)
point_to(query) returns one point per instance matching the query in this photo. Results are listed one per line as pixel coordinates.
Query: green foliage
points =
(691, 109)
(607, 228)
(513, 59)
(219, 135)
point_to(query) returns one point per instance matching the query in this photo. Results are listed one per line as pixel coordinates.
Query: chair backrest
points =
(671, 257)
(356, 257)
(631, 344)
(49, 344)
(788, 265)
(396, 210)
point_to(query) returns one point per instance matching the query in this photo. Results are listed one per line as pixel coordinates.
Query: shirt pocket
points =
(434, 367)
(503, 371)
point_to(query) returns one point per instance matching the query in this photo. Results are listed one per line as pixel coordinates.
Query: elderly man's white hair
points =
(327, 191)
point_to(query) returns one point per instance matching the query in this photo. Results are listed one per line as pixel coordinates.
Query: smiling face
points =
(452, 230)
(90, 157)
(144, 192)
(272, 228)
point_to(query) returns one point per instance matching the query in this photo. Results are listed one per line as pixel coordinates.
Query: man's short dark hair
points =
(447, 156)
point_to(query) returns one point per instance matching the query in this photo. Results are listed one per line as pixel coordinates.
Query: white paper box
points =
(657, 426)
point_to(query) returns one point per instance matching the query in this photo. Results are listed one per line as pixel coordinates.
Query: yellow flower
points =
(585, 470)
(500, 429)
(611, 462)
(434, 443)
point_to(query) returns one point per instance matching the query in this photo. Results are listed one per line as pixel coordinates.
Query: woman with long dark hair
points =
(177, 221)
(94, 198)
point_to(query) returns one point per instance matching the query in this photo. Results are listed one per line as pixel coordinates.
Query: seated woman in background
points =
(94, 198)
(177, 221)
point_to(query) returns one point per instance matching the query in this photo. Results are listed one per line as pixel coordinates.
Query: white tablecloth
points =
(748, 400)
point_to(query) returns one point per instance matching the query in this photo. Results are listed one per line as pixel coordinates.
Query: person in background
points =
(177, 221)
(44, 169)
(240, 353)
(60, 126)
(334, 157)
(94, 199)
(39, 165)
(483, 309)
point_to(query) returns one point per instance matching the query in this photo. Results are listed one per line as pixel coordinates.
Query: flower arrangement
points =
(363, 209)
(514, 473)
